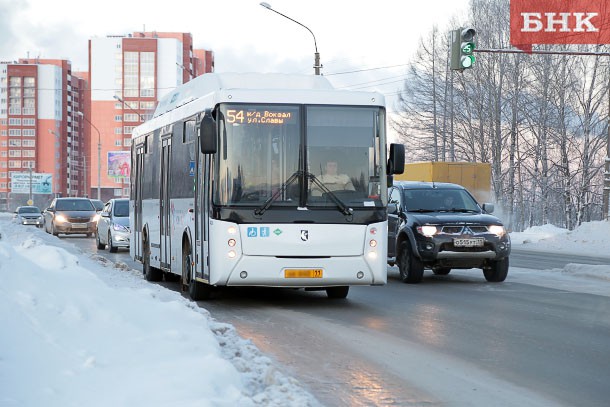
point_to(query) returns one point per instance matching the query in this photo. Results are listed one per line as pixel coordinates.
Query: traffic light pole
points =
(606, 190)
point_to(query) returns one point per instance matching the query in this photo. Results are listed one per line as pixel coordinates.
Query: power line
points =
(364, 70)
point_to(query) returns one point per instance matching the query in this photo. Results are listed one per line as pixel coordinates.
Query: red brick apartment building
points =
(74, 129)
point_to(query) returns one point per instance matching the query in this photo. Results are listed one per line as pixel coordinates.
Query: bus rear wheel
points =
(337, 292)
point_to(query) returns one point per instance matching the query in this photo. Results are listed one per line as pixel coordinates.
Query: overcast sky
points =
(245, 37)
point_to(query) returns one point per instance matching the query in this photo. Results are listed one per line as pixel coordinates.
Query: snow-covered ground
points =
(78, 330)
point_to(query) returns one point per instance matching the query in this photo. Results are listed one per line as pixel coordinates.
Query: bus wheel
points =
(337, 292)
(197, 291)
(150, 273)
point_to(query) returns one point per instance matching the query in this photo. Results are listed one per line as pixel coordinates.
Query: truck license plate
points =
(303, 273)
(474, 242)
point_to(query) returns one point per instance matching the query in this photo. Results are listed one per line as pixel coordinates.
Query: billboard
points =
(42, 183)
(119, 164)
(559, 22)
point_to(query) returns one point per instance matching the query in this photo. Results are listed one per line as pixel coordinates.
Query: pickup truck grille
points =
(464, 230)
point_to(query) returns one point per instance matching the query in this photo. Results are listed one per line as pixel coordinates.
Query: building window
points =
(118, 118)
(14, 143)
(3, 154)
(117, 143)
(131, 117)
(14, 121)
(29, 133)
(14, 132)
(118, 192)
(118, 130)
(127, 142)
(147, 74)
(128, 129)
(29, 82)
(14, 163)
(126, 191)
(29, 122)
(14, 153)
(130, 74)
(29, 143)
(29, 153)
(147, 105)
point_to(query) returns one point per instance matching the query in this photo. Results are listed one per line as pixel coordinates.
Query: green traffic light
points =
(467, 48)
(468, 61)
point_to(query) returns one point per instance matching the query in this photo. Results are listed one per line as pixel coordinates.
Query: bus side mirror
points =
(396, 160)
(207, 133)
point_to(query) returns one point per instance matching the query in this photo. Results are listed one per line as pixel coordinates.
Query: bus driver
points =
(332, 180)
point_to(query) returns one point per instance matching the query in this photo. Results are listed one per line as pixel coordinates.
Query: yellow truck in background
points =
(475, 177)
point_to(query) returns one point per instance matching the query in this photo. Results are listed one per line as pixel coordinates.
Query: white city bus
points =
(223, 179)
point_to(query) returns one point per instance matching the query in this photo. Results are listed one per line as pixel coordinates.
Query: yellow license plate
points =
(303, 273)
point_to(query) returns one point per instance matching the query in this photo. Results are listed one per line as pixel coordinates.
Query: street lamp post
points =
(99, 156)
(129, 107)
(316, 64)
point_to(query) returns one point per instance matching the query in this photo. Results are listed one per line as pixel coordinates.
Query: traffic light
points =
(462, 48)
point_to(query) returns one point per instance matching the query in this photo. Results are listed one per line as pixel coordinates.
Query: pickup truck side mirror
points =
(488, 207)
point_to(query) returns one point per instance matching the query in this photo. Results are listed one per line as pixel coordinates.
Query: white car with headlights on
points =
(28, 215)
(112, 229)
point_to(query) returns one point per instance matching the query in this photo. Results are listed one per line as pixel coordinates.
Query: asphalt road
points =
(452, 340)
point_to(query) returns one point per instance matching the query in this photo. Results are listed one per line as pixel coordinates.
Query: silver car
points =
(113, 225)
(70, 216)
(28, 215)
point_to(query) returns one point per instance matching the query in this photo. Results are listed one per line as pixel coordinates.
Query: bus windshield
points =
(299, 155)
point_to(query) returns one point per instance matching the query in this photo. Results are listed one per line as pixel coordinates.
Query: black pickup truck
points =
(440, 226)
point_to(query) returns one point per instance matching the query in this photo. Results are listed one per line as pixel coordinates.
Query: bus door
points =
(138, 176)
(164, 202)
(202, 216)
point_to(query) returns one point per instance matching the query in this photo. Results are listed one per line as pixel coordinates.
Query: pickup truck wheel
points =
(411, 268)
(441, 271)
(497, 271)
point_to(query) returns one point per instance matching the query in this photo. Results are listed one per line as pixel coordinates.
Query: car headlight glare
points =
(427, 230)
(497, 230)
(60, 218)
(120, 228)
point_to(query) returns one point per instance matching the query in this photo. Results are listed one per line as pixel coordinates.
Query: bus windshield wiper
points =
(342, 206)
(263, 208)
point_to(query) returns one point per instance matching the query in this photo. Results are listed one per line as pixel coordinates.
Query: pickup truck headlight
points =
(427, 230)
(497, 230)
